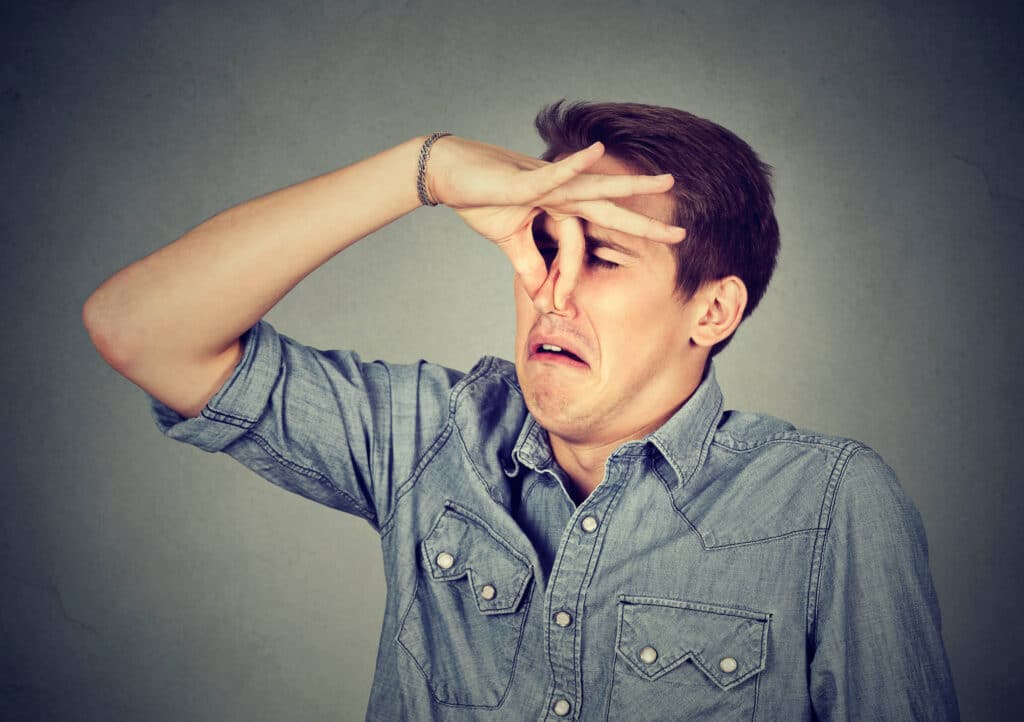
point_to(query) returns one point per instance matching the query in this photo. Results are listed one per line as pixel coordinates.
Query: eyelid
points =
(593, 260)
(595, 243)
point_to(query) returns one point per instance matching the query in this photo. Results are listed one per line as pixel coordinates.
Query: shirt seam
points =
(743, 448)
(407, 484)
(318, 476)
(825, 525)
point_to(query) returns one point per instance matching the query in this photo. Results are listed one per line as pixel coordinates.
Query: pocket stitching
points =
(764, 618)
(463, 515)
(519, 606)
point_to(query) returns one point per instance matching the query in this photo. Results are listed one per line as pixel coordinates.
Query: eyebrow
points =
(540, 233)
(593, 242)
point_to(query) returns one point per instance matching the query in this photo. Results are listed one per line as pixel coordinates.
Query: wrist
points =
(425, 187)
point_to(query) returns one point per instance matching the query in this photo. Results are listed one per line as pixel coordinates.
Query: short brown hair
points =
(723, 191)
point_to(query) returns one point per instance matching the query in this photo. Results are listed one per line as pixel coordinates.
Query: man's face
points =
(630, 363)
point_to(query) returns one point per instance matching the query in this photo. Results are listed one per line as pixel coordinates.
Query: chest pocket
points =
(465, 623)
(686, 660)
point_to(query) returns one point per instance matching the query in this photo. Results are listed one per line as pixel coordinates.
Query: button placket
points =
(572, 573)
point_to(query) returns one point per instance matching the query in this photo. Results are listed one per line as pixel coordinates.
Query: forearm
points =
(184, 306)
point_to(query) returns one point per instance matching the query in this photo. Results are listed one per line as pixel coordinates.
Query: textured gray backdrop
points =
(144, 580)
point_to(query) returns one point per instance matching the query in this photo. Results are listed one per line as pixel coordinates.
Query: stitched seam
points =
(385, 454)
(667, 484)
(757, 689)
(712, 547)
(431, 451)
(690, 654)
(588, 577)
(469, 457)
(705, 444)
(224, 418)
(312, 474)
(783, 438)
(470, 516)
(460, 511)
(817, 558)
(451, 506)
(406, 486)
(694, 606)
(751, 542)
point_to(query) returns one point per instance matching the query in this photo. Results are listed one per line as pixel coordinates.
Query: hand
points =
(498, 193)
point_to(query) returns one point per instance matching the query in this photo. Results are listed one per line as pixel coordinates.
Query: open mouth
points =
(558, 354)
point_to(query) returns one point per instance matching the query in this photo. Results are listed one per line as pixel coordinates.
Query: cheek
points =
(636, 323)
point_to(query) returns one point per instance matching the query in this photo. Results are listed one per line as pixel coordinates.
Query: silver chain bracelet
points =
(421, 169)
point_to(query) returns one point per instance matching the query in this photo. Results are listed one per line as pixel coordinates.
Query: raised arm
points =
(171, 321)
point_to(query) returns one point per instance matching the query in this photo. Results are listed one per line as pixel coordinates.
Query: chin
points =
(556, 412)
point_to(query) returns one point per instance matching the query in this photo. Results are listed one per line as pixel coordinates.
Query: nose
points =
(544, 299)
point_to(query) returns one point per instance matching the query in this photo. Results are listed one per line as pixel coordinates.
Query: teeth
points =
(549, 347)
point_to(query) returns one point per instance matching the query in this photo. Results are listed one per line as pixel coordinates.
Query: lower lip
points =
(557, 359)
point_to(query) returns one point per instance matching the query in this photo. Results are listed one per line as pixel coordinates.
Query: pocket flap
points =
(657, 635)
(463, 545)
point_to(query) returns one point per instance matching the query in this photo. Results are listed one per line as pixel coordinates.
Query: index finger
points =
(595, 186)
(539, 182)
(572, 247)
(615, 217)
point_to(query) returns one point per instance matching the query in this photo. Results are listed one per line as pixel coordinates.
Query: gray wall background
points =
(145, 580)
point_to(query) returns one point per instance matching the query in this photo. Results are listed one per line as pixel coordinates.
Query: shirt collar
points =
(683, 440)
(531, 448)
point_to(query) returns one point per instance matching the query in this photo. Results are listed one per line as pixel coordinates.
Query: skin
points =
(152, 320)
(643, 347)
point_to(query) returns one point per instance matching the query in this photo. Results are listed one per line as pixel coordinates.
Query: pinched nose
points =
(544, 299)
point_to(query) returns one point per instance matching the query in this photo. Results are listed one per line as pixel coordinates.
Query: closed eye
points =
(548, 248)
(598, 262)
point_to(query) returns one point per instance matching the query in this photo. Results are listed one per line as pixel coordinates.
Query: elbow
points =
(103, 332)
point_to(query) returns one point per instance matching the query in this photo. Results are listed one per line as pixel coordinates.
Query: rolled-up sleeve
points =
(877, 635)
(322, 424)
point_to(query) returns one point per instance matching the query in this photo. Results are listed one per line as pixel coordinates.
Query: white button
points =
(488, 592)
(561, 707)
(648, 655)
(445, 560)
(563, 619)
(728, 665)
(589, 524)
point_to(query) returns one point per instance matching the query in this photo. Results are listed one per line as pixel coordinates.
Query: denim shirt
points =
(728, 566)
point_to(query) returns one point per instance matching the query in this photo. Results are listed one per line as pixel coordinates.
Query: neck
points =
(584, 461)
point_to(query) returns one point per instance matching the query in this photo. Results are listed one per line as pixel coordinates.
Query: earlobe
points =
(724, 302)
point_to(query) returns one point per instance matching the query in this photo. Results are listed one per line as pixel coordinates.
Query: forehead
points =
(658, 205)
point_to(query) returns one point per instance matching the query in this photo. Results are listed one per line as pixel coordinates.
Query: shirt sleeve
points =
(322, 424)
(877, 634)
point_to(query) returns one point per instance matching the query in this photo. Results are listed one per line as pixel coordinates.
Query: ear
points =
(722, 305)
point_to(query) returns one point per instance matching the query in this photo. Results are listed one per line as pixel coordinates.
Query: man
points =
(585, 534)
